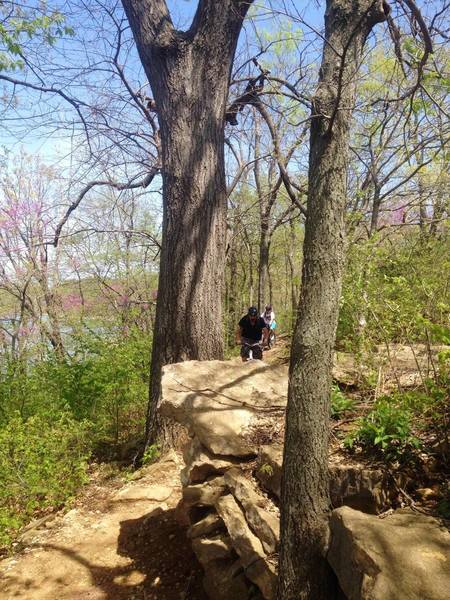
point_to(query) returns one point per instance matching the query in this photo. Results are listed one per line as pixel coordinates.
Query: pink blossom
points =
(72, 301)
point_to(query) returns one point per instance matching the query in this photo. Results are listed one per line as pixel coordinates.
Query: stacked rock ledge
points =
(234, 413)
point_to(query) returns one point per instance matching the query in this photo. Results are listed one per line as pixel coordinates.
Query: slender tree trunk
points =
(375, 211)
(438, 212)
(189, 74)
(233, 289)
(263, 272)
(51, 299)
(54, 332)
(440, 204)
(304, 573)
(247, 297)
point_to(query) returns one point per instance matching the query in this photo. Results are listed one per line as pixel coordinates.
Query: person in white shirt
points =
(268, 315)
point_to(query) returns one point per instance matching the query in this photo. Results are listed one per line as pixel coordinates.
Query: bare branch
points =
(118, 186)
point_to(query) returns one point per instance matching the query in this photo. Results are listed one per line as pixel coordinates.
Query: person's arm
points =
(239, 335)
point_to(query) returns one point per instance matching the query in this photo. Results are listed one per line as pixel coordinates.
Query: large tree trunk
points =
(189, 74)
(294, 290)
(303, 572)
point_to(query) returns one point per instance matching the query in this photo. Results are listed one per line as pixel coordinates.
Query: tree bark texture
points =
(233, 289)
(290, 258)
(264, 252)
(303, 570)
(189, 74)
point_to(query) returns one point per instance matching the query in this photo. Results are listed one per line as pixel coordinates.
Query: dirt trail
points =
(117, 544)
(124, 545)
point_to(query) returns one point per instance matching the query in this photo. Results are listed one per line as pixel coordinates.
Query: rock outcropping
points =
(404, 556)
(229, 409)
(234, 413)
(369, 490)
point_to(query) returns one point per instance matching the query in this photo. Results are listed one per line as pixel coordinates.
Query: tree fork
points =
(189, 73)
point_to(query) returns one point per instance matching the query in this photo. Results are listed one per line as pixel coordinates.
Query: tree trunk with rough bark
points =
(264, 250)
(294, 288)
(304, 573)
(189, 74)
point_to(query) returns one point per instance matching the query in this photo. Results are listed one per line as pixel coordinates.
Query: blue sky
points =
(57, 144)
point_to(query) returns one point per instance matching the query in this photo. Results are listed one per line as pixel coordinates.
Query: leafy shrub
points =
(151, 454)
(104, 381)
(387, 427)
(54, 413)
(339, 403)
(266, 469)
(42, 465)
(393, 291)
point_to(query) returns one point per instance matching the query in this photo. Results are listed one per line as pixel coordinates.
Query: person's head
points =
(268, 307)
(252, 313)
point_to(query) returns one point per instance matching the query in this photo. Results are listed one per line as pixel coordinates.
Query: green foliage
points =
(104, 381)
(42, 465)
(54, 414)
(387, 427)
(266, 469)
(151, 454)
(339, 403)
(395, 292)
(19, 24)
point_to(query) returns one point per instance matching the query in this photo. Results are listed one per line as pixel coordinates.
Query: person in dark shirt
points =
(251, 329)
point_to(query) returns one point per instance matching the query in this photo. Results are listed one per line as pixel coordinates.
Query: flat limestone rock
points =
(368, 490)
(405, 556)
(248, 547)
(265, 524)
(201, 464)
(204, 494)
(221, 402)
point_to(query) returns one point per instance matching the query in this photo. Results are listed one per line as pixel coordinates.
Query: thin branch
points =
(118, 186)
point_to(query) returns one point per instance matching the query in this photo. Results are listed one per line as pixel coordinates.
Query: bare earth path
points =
(126, 544)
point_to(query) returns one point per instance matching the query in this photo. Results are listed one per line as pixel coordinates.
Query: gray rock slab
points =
(212, 548)
(265, 524)
(201, 463)
(204, 494)
(248, 546)
(368, 490)
(225, 580)
(405, 556)
(270, 461)
(221, 402)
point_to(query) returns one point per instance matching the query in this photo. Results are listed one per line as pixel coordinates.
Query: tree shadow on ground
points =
(163, 565)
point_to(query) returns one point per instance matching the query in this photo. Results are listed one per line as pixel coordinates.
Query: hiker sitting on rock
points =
(251, 331)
